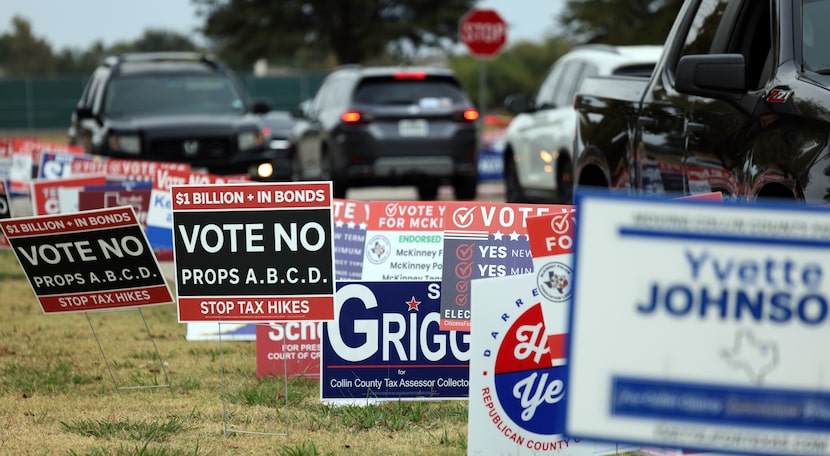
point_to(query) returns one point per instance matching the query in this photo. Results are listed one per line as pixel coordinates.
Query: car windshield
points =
(816, 35)
(171, 94)
(424, 92)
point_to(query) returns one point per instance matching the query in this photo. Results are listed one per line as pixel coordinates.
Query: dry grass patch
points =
(58, 394)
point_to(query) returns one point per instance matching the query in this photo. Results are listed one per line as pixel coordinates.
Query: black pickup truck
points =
(739, 103)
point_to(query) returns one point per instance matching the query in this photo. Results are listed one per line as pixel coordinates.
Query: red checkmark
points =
(559, 224)
(464, 270)
(462, 287)
(463, 217)
(464, 252)
(461, 300)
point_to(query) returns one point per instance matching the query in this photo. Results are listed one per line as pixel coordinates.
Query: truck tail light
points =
(354, 118)
(410, 75)
(467, 115)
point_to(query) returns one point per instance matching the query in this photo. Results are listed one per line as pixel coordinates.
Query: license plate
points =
(413, 127)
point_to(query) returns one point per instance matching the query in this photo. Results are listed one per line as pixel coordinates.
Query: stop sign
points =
(483, 31)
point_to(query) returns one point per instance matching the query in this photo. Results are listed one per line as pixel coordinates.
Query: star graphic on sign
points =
(514, 236)
(413, 304)
(498, 235)
(350, 224)
(339, 224)
(362, 226)
(250, 196)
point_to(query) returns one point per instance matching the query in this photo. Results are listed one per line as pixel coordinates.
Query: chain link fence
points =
(47, 103)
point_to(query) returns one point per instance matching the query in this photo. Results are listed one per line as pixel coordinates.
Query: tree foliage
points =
(520, 69)
(24, 54)
(318, 34)
(618, 22)
(353, 31)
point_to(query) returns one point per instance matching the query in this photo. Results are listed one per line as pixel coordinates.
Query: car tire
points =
(297, 173)
(466, 187)
(564, 180)
(513, 192)
(428, 191)
(339, 188)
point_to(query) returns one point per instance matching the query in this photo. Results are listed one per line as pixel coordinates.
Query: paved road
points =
(490, 191)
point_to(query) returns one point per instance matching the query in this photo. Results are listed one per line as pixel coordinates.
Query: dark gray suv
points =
(175, 107)
(397, 126)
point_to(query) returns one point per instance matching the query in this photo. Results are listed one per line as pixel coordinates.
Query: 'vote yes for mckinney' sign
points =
(87, 261)
(253, 252)
(712, 321)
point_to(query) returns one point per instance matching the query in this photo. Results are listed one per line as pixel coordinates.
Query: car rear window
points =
(435, 92)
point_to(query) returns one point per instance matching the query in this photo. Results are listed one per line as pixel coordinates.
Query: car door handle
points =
(695, 127)
(647, 122)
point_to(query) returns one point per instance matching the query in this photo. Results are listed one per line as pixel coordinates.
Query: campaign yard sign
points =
(45, 193)
(551, 245)
(87, 261)
(711, 318)
(115, 195)
(58, 165)
(5, 212)
(404, 241)
(385, 344)
(253, 252)
(288, 349)
(160, 212)
(517, 393)
(212, 330)
(125, 169)
(6, 153)
(482, 239)
(26, 158)
(350, 224)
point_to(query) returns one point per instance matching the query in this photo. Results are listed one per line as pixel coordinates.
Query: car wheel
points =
(297, 173)
(428, 191)
(466, 187)
(512, 188)
(564, 180)
(327, 172)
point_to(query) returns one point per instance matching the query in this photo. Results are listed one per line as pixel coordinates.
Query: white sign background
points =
(625, 249)
(492, 431)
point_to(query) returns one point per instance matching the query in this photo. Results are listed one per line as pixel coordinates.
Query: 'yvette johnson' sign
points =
(711, 319)
(87, 261)
(254, 252)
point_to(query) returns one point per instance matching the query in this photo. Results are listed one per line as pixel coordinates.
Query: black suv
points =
(395, 126)
(174, 107)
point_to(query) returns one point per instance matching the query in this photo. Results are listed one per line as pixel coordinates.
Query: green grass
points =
(141, 431)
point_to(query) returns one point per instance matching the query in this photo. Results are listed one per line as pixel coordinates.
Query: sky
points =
(77, 24)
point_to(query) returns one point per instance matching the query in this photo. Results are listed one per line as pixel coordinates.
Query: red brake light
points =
(470, 115)
(410, 75)
(351, 117)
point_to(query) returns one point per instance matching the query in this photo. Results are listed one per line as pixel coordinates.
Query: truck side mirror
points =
(711, 75)
(84, 112)
(517, 104)
(261, 106)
